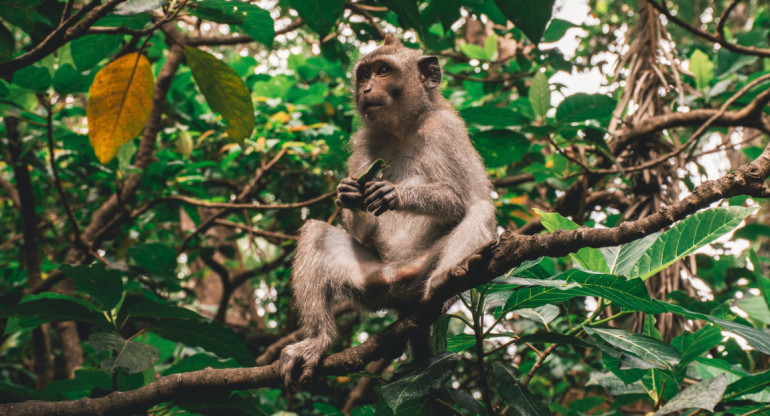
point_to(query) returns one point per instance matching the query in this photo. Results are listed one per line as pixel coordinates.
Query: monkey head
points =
(395, 85)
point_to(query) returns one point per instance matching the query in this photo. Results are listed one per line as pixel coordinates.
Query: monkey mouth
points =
(372, 104)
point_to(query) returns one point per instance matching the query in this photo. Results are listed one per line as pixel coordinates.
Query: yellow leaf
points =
(119, 104)
(280, 116)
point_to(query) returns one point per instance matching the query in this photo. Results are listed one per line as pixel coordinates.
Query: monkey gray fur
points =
(431, 209)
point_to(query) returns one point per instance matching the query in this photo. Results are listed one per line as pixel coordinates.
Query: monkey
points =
(402, 233)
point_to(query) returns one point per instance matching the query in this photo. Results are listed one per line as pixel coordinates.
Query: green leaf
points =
(407, 12)
(757, 339)
(756, 308)
(544, 314)
(693, 345)
(587, 257)
(702, 69)
(540, 94)
(620, 259)
(490, 46)
(460, 342)
(747, 385)
(211, 336)
(7, 44)
(106, 286)
(224, 90)
(556, 30)
(220, 11)
(614, 384)
(515, 395)
(763, 282)
(320, 15)
(703, 395)
(473, 51)
(155, 258)
(655, 352)
(89, 50)
(149, 309)
(68, 80)
(46, 309)
(581, 107)
(490, 115)
(258, 24)
(132, 355)
(530, 16)
(687, 236)
(33, 77)
(427, 378)
(501, 147)
(630, 294)
(199, 362)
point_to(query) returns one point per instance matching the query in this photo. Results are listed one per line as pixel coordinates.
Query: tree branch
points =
(733, 47)
(70, 29)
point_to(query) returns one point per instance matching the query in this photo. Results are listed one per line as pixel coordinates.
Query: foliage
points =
(157, 166)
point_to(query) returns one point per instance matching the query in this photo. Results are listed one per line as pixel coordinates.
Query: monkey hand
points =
(298, 362)
(472, 264)
(380, 196)
(350, 194)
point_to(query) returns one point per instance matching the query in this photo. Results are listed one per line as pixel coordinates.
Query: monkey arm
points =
(437, 199)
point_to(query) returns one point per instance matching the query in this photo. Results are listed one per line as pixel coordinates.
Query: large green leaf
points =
(320, 15)
(211, 336)
(544, 314)
(68, 80)
(747, 385)
(34, 77)
(106, 286)
(629, 294)
(89, 50)
(653, 351)
(531, 16)
(540, 94)
(460, 342)
(253, 20)
(132, 355)
(620, 259)
(149, 309)
(515, 395)
(429, 377)
(581, 107)
(587, 257)
(757, 339)
(703, 395)
(224, 90)
(693, 345)
(687, 236)
(36, 309)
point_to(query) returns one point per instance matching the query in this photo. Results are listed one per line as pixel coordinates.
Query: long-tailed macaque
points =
(401, 234)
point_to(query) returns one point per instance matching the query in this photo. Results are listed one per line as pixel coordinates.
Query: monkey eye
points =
(383, 70)
(363, 76)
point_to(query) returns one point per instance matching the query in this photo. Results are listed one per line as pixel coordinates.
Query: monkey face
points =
(377, 88)
(395, 86)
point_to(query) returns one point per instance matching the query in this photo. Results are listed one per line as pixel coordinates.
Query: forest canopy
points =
(159, 157)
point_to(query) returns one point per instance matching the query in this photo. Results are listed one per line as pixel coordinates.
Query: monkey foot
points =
(298, 363)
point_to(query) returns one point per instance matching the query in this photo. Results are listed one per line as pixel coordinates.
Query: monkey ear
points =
(390, 39)
(430, 71)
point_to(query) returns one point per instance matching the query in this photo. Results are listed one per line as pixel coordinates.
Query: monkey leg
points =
(329, 264)
(460, 246)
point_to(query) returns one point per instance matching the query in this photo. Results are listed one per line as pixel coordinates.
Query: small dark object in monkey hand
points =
(371, 172)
